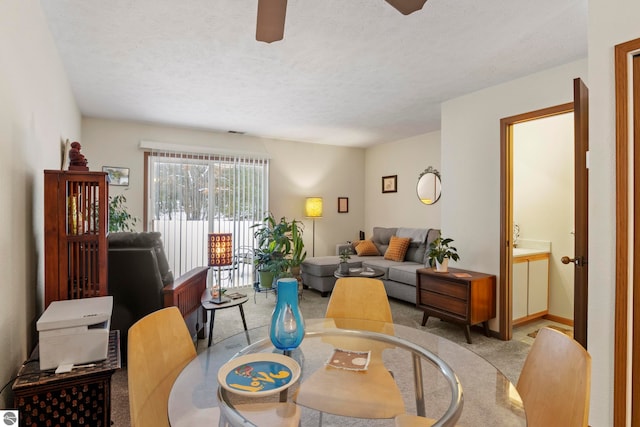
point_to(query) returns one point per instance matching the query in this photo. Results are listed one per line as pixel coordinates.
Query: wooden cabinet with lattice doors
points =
(76, 228)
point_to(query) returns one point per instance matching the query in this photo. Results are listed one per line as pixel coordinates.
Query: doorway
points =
(525, 169)
(543, 218)
(580, 258)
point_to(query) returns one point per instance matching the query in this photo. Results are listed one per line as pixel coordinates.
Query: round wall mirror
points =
(429, 186)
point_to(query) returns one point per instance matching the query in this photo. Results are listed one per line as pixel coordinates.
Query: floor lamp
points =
(220, 254)
(313, 210)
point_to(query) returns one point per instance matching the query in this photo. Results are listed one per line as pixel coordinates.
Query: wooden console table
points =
(81, 397)
(459, 296)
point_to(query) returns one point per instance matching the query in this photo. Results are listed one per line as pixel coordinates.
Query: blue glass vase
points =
(287, 325)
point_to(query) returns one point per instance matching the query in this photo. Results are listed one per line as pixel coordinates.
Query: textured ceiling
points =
(348, 72)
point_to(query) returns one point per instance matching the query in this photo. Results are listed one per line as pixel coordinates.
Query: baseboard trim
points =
(558, 319)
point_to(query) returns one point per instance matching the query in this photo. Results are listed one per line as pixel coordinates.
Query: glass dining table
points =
(408, 371)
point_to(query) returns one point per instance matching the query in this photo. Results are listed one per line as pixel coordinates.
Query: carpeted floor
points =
(507, 356)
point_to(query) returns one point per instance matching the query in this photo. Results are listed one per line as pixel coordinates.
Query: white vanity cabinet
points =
(530, 285)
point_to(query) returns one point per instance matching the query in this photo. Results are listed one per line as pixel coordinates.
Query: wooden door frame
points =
(505, 311)
(623, 64)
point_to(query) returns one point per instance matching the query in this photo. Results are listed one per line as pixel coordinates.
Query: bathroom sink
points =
(528, 251)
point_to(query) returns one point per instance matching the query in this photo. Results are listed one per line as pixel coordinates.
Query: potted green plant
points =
(280, 247)
(261, 258)
(440, 251)
(345, 256)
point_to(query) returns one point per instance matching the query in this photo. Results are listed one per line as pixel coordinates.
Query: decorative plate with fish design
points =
(258, 374)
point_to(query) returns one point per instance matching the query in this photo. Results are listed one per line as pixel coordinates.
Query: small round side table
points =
(210, 306)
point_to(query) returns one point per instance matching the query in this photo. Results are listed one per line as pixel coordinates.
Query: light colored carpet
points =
(507, 356)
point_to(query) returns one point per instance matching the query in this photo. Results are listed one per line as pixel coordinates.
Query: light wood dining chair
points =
(555, 382)
(359, 298)
(370, 394)
(160, 346)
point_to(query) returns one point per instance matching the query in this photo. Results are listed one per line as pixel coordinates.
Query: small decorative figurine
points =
(77, 162)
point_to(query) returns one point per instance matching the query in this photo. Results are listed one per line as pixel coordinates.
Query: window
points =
(191, 195)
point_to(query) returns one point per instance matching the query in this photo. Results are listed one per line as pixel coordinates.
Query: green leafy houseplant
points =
(280, 247)
(119, 217)
(439, 251)
(298, 254)
(345, 255)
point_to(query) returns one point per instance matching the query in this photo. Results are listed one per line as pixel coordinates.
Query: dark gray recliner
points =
(141, 282)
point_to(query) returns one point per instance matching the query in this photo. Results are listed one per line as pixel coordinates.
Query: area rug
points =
(557, 328)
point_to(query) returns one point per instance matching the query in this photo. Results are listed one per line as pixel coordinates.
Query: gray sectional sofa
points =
(399, 276)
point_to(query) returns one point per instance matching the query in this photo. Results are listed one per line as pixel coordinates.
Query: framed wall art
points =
(390, 184)
(343, 204)
(117, 175)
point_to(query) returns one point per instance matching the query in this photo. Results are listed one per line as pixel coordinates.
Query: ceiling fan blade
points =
(407, 6)
(270, 24)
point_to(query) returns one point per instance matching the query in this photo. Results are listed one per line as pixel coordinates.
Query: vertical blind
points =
(191, 195)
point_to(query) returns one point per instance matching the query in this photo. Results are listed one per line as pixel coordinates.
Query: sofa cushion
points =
(397, 248)
(382, 236)
(380, 263)
(417, 235)
(418, 244)
(416, 252)
(320, 265)
(404, 273)
(367, 248)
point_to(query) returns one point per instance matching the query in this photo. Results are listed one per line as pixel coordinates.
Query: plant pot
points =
(343, 268)
(295, 271)
(266, 279)
(442, 267)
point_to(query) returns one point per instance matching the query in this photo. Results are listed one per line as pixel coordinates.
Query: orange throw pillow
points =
(397, 248)
(367, 248)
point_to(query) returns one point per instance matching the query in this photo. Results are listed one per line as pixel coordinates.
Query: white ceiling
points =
(348, 72)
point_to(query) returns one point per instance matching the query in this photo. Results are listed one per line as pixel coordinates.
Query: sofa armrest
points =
(185, 293)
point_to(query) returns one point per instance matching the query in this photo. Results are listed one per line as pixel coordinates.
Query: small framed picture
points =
(390, 184)
(117, 175)
(343, 204)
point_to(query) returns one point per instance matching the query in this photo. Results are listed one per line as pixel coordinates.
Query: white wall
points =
(471, 158)
(543, 198)
(37, 112)
(297, 170)
(611, 22)
(406, 158)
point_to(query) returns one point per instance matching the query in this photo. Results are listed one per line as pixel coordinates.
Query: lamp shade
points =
(313, 207)
(220, 249)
